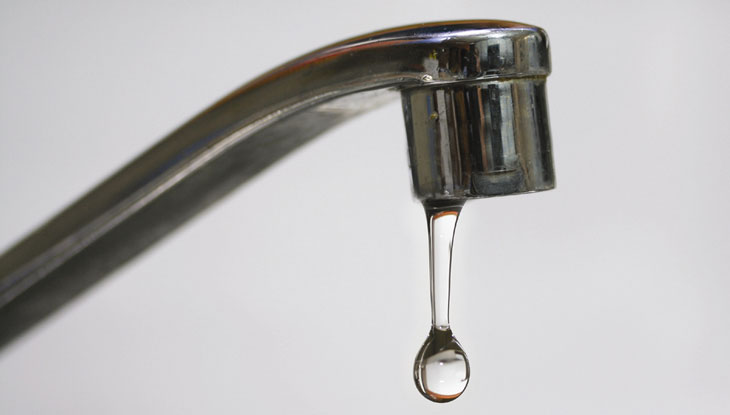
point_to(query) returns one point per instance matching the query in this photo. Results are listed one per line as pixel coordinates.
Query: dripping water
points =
(441, 368)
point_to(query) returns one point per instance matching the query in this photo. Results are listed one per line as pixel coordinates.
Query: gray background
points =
(299, 295)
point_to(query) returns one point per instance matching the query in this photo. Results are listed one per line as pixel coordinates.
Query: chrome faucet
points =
(473, 95)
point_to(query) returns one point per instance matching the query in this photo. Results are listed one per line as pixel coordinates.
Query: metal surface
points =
(479, 140)
(445, 65)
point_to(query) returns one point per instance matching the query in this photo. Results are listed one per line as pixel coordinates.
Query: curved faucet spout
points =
(476, 119)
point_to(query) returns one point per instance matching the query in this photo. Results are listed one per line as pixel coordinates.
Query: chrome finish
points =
(478, 140)
(467, 151)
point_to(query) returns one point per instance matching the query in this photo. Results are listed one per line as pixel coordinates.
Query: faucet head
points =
(487, 133)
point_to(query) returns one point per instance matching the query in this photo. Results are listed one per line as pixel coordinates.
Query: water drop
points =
(441, 368)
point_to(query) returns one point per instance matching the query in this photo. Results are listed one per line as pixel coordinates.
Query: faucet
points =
(473, 96)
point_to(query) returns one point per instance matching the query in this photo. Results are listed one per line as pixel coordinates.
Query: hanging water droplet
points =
(441, 369)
